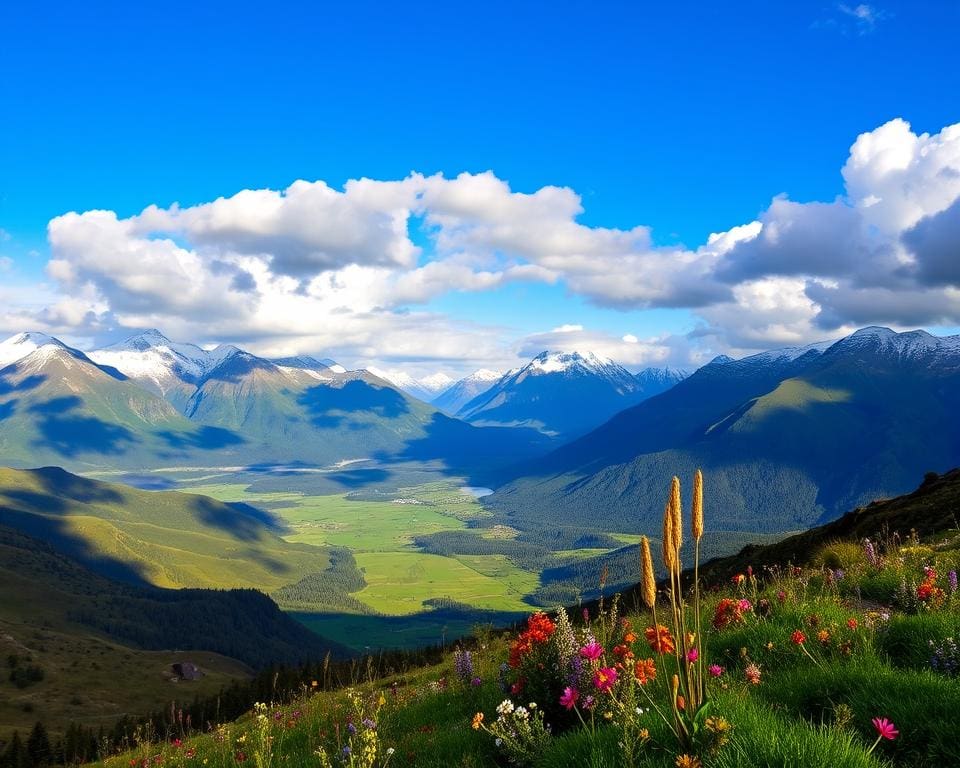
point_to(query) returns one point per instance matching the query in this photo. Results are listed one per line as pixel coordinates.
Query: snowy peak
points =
(556, 362)
(425, 389)
(18, 347)
(909, 346)
(458, 394)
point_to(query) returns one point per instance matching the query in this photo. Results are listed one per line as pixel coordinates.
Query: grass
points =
(812, 708)
(398, 583)
(167, 539)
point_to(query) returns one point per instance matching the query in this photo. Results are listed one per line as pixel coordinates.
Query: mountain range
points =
(150, 401)
(564, 393)
(787, 438)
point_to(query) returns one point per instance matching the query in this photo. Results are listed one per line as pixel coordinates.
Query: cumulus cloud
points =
(313, 268)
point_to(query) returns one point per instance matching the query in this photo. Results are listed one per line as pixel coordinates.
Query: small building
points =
(187, 670)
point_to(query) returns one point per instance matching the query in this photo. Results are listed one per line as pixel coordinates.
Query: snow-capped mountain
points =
(458, 394)
(559, 393)
(308, 363)
(425, 389)
(18, 347)
(159, 364)
(653, 381)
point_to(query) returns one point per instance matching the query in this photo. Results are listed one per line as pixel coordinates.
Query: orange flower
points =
(629, 637)
(645, 670)
(823, 636)
(660, 639)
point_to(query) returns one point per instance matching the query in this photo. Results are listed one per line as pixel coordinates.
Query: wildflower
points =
(592, 650)
(798, 637)
(781, 596)
(505, 707)
(952, 581)
(608, 715)
(521, 713)
(852, 623)
(629, 638)
(692, 655)
(823, 636)
(660, 639)
(390, 751)
(352, 728)
(588, 702)
(604, 679)
(476, 682)
(885, 729)
(688, 761)
(715, 670)
(738, 579)
(870, 553)
(727, 612)
(463, 664)
(477, 721)
(752, 673)
(745, 605)
(645, 670)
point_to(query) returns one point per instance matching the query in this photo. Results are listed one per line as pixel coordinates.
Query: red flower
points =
(660, 639)
(798, 637)
(604, 679)
(885, 729)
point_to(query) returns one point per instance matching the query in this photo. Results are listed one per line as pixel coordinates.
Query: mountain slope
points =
(461, 392)
(788, 439)
(57, 405)
(163, 538)
(425, 389)
(558, 393)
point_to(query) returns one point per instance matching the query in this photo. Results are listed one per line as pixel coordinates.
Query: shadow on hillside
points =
(148, 482)
(7, 409)
(240, 520)
(62, 537)
(7, 385)
(237, 367)
(330, 407)
(69, 433)
(478, 453)
(205, 439)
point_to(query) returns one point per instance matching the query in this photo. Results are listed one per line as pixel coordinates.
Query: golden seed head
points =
(675, 511)
(648, 583)
(669, 553)
(696, 523)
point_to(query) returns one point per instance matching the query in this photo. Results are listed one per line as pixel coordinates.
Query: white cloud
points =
(6, 263)
(312, 268)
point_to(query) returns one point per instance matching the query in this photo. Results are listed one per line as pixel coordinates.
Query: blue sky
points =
(687, 120)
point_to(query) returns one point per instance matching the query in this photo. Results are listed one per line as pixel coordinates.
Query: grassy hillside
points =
(105, 649)
(845, 662)
(167, 539)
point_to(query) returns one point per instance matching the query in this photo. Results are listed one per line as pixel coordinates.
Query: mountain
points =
(461, 392)
(654, 381)
(560, 393)
(307, 363)
(57, 404)
(425, 389)
(787, 438)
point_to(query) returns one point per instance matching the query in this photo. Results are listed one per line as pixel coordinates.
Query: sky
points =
(428, 187)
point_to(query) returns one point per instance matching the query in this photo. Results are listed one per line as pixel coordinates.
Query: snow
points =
(18, 347)
(557, 362)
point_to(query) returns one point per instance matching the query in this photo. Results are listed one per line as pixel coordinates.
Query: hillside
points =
(106, 649)
(790, 438)
(162, 538)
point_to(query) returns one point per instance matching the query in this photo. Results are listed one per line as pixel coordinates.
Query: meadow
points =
(848, 660)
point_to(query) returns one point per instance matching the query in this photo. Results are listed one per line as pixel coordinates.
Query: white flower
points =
(522, 713)
(390, 751)
(505, 708)
(498, 742)
(532, 705)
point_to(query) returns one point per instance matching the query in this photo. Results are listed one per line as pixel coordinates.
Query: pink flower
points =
(715, 669)
(752, 673)
(592, 650)
(885, 729)
(604, 679)
(692, 655)
(569, 697)
(745, 605)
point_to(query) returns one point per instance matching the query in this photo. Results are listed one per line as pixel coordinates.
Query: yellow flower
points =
(477, 721)
(688, 761)
(381, 701)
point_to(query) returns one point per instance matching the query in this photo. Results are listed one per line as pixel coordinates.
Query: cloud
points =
(353, 272)
(6, 263)
(861, 19)
(629, 351)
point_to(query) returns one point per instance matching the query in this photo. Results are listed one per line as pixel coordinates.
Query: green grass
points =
(168, 539)
(399, 582)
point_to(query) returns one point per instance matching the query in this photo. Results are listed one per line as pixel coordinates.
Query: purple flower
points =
(870, 552)
(369, 724)
(476, 681)
(463, 664)
(352, 728)
(952, 581)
